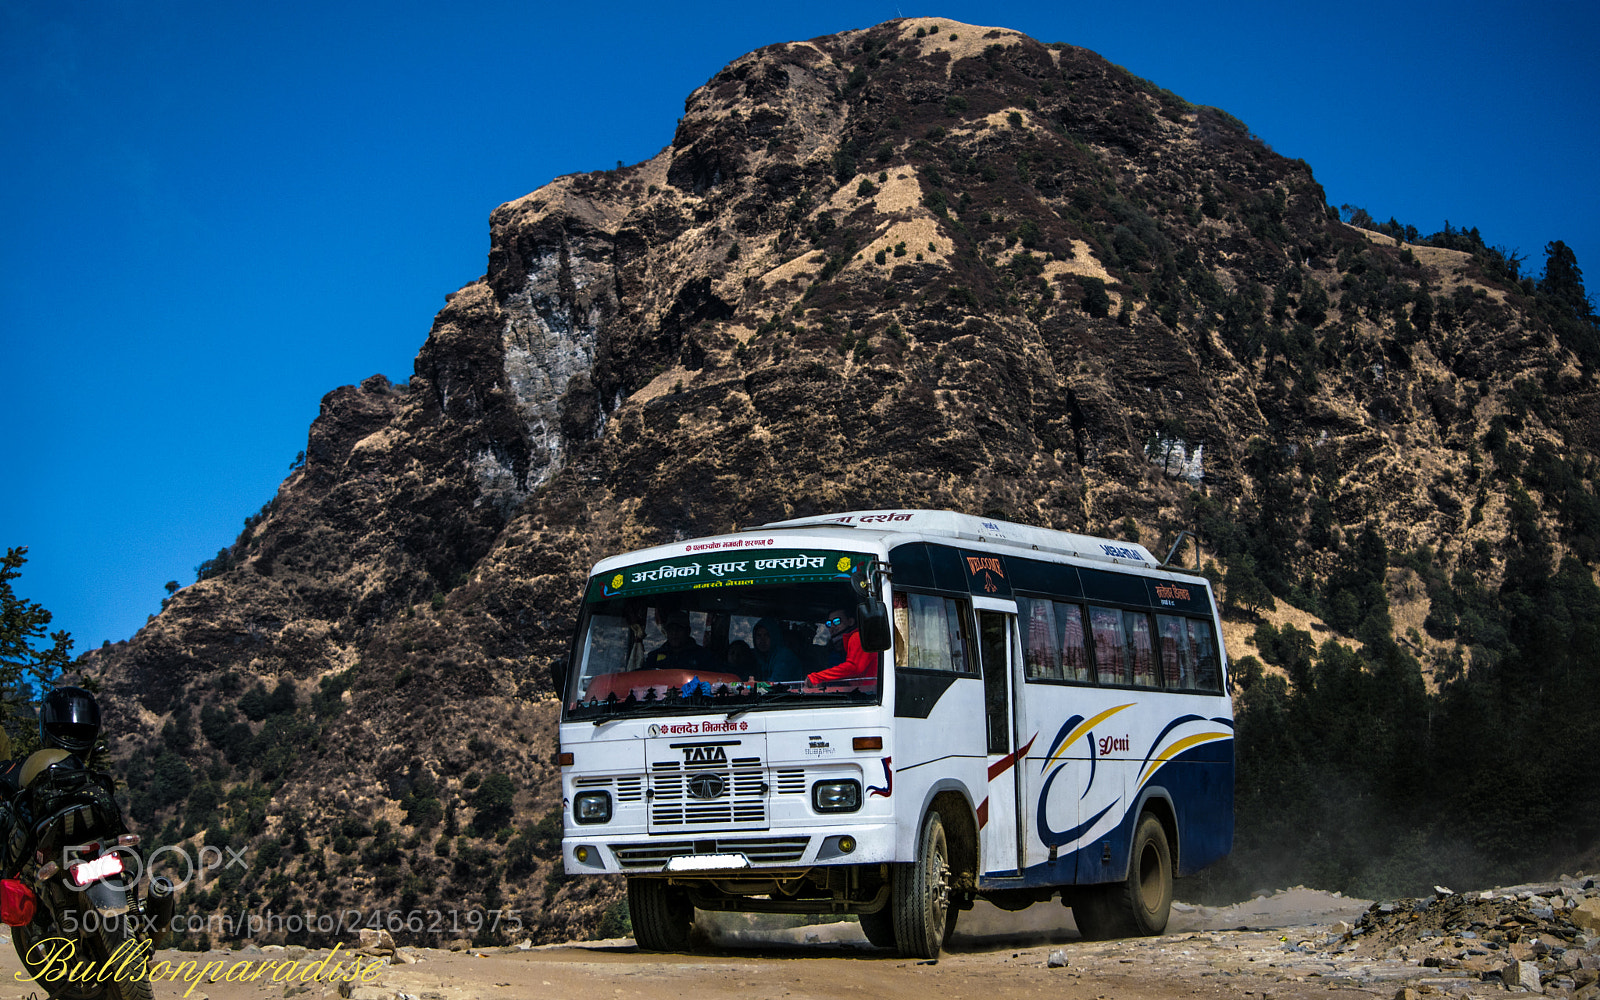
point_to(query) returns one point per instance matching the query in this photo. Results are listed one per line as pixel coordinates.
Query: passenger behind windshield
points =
(734, 647)
(741, 659)
(774, 659)
(851, 661)
(680, 651)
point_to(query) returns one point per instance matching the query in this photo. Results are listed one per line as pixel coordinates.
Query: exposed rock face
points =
(891, 267)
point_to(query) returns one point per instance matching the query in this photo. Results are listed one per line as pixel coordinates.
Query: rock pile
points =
(1534, 937)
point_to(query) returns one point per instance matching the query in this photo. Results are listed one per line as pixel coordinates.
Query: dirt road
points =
(997, 957)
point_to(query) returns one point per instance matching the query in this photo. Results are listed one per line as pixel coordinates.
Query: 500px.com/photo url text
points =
(248, 924)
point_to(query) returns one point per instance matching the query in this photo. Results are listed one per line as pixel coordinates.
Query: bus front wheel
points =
(920, 894)
(661, 914)
(1139, 904)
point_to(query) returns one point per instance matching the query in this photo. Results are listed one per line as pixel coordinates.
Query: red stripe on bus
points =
(1003, 765)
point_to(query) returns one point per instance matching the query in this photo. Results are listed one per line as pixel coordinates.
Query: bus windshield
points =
(733, 649)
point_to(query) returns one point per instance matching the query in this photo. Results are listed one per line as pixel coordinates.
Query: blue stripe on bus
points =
(1200, 787)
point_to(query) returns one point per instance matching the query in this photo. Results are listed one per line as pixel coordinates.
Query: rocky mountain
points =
(925, 264)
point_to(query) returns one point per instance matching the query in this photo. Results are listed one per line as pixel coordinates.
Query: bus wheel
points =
(661, 914)
(1148, 891)
(920, 894)
(1140, 903)
(879, 927)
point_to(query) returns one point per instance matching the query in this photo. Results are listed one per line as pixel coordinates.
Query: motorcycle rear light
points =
(17, 903)
(99, 868)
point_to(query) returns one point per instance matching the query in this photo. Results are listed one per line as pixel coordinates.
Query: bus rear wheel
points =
(661, 914)
(920, 894)
(1139, 904)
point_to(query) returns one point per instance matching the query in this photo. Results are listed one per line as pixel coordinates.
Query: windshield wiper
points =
(611, 714)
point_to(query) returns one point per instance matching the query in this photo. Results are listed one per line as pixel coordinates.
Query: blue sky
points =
(212, 214)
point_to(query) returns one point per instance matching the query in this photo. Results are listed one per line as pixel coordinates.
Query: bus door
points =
(999, 814)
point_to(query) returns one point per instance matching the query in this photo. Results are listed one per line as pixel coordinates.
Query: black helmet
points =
(69, 719)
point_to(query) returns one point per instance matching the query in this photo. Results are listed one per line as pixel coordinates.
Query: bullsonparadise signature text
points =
(55, 960)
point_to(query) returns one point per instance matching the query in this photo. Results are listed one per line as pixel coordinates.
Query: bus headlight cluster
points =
(592, 807)
(836, 796)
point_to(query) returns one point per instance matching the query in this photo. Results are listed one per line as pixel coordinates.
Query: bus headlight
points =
(836, 796)
(592, 807)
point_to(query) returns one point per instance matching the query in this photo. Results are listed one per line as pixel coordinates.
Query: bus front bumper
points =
(728, 852)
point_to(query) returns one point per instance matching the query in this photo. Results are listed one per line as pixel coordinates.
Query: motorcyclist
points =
(67, 801)
(69, 720)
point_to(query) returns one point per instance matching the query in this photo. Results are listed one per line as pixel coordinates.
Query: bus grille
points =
(742, 801)
(760, 850)
(790, 782)
(630, 787)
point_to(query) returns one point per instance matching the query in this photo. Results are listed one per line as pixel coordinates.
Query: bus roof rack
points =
(970, 527)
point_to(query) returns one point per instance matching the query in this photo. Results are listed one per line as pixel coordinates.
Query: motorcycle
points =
(78, 921)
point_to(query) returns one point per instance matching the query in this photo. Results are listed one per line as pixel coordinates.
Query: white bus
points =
(1019, 713)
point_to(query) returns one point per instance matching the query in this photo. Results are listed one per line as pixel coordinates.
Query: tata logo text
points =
(1118, 552)
(705, 755)
(1111, 744)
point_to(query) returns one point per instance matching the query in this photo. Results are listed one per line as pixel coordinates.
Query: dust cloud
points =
(987, 927)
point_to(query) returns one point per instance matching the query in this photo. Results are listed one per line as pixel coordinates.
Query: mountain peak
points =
(923, 265)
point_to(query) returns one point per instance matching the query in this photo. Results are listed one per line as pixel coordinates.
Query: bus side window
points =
(936, 634)
(1177, 657)
(901, 622)
(1110, 645)
(957, 617)
(1074, 652)
(1141, 649)
(1207, 673)
(1041, 643)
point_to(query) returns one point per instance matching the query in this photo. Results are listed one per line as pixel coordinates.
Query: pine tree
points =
(1567, 305)
(24, 626)
(1563, 281)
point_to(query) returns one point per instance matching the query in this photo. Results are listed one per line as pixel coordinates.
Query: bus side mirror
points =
(872, 618)
(558, 676)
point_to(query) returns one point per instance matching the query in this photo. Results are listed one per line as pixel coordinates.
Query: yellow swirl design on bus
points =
(1179, 747)
(1083, 727)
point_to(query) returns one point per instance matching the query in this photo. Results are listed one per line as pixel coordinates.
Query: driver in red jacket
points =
(858, 663)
